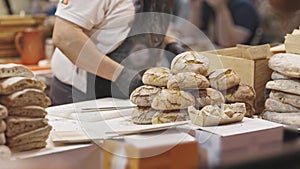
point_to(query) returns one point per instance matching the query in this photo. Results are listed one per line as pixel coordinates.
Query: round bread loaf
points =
(143, 95)
(169, 99)
(187, 80)
(2, 126)
(286, 64)
(190, 61)
(223, 79)
(156, 76)
(240, 93)
(169, 117)
(143, 115)
(208, 96)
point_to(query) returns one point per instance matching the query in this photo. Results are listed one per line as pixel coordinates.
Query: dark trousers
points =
(61, 93)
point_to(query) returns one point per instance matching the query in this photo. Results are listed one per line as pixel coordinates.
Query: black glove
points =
(127, 81)
(173, 49)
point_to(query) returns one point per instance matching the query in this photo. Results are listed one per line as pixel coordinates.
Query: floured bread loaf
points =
(168, 99)
(223, 79)
(286, 98)
(215, 115)
(143, 95)
(26, 97)
(187, 80)
(170, 116)
(278, 76)
(190, 61)
(18, 125)
(2, 139)
(3, 112)
(28, 146)
(2, 126)
(208, 96)
(292, 119)
(286, 64)
(14, 84)
(12, 70)
(143, 115)
(28, 111)
(156, 76)
(5, 152)
(277, 106)
(240, 93)
(40, 134)
(289, 86)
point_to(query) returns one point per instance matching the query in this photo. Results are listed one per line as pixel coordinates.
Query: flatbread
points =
(14, 84)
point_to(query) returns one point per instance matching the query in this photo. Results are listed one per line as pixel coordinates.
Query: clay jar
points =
(30, 44)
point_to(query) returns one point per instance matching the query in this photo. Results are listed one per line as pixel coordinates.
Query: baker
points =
(103, 45)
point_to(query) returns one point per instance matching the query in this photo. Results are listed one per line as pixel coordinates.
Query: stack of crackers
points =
(24, 98)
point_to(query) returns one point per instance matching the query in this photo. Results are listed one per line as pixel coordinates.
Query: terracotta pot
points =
(30, 44)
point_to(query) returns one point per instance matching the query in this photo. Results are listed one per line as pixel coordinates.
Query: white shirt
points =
(107, 22)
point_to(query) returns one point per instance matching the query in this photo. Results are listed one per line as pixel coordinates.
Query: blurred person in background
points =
(227, 22)
(102, 45)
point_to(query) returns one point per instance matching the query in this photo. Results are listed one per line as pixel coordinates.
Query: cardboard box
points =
(250, 62)
(171, 150)
(239, 140)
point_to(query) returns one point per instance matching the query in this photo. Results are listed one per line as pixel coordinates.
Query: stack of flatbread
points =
(283, 104)
(168, 93)
(25, 100)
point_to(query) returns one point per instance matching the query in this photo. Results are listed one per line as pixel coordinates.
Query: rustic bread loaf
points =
(250, 110)
(214, 115)
(170, 116)
(292, 119)
(5, 152)
(208, 96)
(286, 98)
(40, 134)
(14, 84)
(168, 99)
(240, 93)
(28, 111)
(187, 80)
(2, 126)
(156, 76)
(12, 70)
(223, 79)
(3, 112)
(143, 95)
(288, 86)
(277, 106)
(26, 97)
(190, 61)
(143, 115)
(28, 146)
(18, 125)
(286, 63)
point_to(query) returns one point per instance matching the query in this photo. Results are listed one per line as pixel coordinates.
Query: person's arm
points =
(228, 34)
(75, 44)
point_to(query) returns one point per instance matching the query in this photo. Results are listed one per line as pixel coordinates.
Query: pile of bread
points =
(23, 124)
(283, 104)
(168, 93)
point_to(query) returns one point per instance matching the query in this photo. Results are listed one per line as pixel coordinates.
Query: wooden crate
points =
(254, 72)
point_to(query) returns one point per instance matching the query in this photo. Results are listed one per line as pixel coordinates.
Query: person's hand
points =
(217, 4)
(126, 82)
(173, 49)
